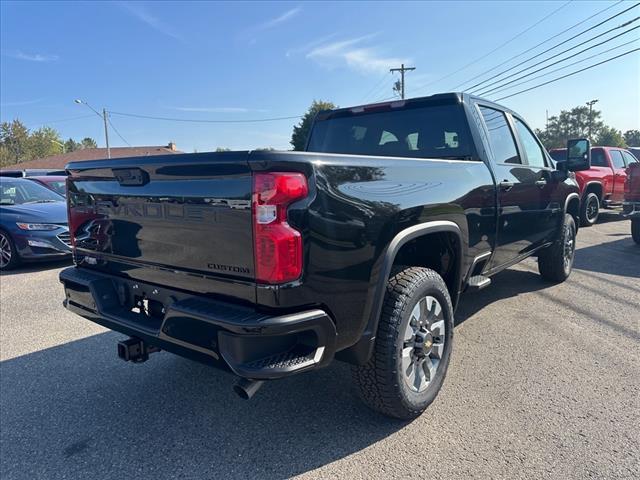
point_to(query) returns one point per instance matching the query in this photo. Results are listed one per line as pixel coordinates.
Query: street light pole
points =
(104, 117)
(591, 104)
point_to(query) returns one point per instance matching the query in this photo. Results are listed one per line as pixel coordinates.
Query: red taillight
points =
(277, 245)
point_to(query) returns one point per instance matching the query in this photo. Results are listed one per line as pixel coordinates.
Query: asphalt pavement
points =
(544, 383)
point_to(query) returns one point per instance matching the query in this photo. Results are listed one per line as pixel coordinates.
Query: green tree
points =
(575, 123)
(71, 145)
(88, 142)
(18, 144)
(301, 131)
(14, 140)
(44, 142)
(610, 137)
(222, 149)
(632, 138)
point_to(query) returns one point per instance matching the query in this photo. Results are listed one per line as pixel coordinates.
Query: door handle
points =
(541, 183)
(506, 185)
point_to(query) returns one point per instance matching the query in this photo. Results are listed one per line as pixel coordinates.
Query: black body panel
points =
(360, 211)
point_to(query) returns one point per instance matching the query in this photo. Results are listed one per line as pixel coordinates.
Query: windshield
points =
(432, 131)
(58, 186)
(13, 192)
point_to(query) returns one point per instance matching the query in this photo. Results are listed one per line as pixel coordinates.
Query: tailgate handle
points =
(130, 176)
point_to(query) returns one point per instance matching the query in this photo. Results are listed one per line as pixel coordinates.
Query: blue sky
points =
(270, 59)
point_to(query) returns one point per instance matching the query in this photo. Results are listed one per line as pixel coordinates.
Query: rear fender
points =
(362, 350)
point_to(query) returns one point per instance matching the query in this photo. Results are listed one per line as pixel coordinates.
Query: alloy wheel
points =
(569, 248)
(5, 251)
(423, 345)
(592, 209)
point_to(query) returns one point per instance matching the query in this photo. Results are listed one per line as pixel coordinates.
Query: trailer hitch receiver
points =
(135, 350)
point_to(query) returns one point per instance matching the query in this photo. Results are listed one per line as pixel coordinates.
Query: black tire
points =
(556, 261)
(381, 382)
(7, 247)
(589, 210)
(635, 230)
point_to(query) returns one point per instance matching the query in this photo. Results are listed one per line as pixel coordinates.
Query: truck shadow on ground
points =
(619, 257)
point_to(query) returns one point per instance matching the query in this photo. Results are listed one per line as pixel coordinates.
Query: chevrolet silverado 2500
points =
(269, 264)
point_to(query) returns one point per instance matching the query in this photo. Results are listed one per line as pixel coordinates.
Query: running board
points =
(478, 282)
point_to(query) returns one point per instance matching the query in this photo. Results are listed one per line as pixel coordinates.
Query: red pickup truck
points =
(603, 184)
(631, 205)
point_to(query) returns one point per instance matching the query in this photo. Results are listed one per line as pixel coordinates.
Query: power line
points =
(542, 43)
(568, 75)
(484, 90)
(193, 120)
(61, 120)
(555, 46)
(375, 88)
(117, 132)
(567, 66)
(497, 48)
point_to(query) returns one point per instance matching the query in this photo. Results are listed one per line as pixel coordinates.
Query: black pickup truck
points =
(269, 264)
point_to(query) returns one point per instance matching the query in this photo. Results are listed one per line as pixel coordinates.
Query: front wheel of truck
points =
(556, 261)
(412, 346)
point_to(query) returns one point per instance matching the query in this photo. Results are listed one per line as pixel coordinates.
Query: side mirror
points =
(578, 156)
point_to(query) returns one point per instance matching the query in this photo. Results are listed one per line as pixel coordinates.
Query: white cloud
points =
(288, 15)
(310, 45)
(353, 54)
(34, 57)
(141, 13)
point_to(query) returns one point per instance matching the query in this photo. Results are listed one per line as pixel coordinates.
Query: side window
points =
(628, 158)
(535, 155)
(502, 144)
(616, 159)
(597, 158)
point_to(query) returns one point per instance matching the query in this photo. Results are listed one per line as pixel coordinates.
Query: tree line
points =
(580, 122)
(19, 144)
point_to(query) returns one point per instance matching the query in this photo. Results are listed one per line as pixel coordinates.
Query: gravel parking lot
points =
(544, 383)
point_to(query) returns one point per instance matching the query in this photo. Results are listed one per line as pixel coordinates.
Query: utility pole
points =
(547, 113)
(591, 104)
(104, 118)
(402, 69)
(106, 131)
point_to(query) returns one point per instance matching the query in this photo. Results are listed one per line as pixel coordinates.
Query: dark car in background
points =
(33, 223)
(57, 183)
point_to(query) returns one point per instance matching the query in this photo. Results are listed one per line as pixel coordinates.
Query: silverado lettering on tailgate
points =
(165, 211)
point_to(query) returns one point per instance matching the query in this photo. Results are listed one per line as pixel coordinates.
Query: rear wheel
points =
(412, 346)
(8, 255)
(589, 210)
(556, 261)
(635, 230)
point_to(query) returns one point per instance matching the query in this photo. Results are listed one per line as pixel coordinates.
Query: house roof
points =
(58, 162)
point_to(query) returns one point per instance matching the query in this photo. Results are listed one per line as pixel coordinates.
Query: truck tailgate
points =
(154, 218)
